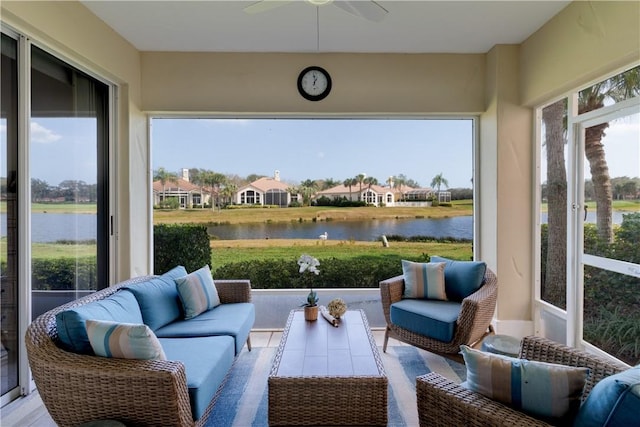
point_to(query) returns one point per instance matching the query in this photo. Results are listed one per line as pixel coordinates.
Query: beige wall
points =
(266, 83)
(580, 44)
(70, 30)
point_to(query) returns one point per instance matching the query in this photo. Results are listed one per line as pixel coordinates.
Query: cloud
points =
(43, 135)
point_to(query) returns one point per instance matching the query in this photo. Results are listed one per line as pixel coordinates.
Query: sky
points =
(300, 149)
(314, 149)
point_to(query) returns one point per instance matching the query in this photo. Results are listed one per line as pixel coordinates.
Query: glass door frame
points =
(577, 259)
(24, 304)
(546, 315)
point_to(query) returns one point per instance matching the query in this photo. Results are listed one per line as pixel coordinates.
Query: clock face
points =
(314, 83)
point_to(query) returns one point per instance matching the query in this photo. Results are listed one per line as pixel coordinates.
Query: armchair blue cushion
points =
(461, 278)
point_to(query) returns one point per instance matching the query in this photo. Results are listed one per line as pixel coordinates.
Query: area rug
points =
(243, 401)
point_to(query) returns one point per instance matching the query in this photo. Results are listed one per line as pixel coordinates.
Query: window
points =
(590, 216)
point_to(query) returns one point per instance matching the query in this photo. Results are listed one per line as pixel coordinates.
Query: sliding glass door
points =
(55, 221)
(69, 189)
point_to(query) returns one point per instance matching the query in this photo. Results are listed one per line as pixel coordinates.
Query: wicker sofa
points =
(78, 388)
(442, 402)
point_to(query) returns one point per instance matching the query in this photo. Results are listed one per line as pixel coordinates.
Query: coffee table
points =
(323, 375)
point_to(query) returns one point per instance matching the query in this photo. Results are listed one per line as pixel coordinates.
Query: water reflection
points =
(458, 227)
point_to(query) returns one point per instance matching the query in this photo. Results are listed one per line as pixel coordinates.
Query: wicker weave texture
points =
(79, 388)
(327, 400)
(472, 324)
(442, 402)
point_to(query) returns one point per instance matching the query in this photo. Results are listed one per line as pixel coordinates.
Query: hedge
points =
(180, 244)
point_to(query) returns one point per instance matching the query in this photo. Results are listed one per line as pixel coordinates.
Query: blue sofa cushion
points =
(461, 278)
(158, 298)
(121, 306)
(613, 401)
(207, 360)
(435, 319)
(234, 319)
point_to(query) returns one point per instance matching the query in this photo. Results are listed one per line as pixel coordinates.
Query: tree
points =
(360, 179)
(349, 182)
(39, 189)
(554, 285)
(438, 181)
(307, 189)
(618, 88)
(215, 180)
(164, 176)
(253, 177)
(197, 177)
(228, 192)
(329, 183)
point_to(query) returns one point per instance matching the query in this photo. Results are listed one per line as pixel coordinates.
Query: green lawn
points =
(227, 251)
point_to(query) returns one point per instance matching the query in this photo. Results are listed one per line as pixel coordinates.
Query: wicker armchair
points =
(78, 388)
(474, 321)
(442, 402)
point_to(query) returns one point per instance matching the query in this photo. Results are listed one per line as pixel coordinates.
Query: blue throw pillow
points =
(461, 278)
(158, 298)
(613, 401)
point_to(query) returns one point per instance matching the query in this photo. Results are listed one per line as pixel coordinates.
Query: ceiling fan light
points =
(319, 2)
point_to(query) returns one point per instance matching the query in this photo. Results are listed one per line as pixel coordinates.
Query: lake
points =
(460, 227)
(50, 227)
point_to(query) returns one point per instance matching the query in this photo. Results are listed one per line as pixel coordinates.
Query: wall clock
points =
(314, 83)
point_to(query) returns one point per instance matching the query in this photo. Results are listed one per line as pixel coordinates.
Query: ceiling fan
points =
(366, 9)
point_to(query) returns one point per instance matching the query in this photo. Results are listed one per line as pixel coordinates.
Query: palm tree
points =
(618, 88)
(228, 192)
(439, 181)
(349, 182)
(398, 183)
(216, 180)
(360, 179)
(196, 176)
(370, 181)
(164, 176)
(554, 284)
(307, 189)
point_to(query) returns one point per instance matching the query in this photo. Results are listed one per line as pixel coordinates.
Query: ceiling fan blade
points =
(265, 5)
(369, 10)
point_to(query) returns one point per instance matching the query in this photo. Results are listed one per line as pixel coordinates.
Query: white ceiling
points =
(408, 27)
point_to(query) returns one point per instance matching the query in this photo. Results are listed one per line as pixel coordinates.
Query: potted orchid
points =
(309, 264)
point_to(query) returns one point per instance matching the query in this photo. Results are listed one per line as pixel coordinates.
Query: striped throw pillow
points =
(424, 280)
(544, 390)
(123, 340)
(197, 292)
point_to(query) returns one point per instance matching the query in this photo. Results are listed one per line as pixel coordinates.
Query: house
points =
(266, 191)
(188, 194)
(540, 54)
(375, 195)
